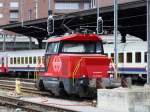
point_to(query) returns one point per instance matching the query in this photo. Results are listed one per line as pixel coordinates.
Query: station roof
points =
(37, 28)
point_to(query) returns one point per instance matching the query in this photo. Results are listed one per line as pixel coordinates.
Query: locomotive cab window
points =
(52, 48)
(81, 47)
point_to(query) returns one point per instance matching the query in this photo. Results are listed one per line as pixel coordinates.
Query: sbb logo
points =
(57, 64)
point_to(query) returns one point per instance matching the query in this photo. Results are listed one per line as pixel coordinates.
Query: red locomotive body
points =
(74, 64)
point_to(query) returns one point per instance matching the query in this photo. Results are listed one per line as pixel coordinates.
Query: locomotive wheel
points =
(61, 90)
(85, 92)
(40, 85)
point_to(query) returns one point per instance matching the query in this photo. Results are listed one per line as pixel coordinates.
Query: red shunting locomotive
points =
(74, 64)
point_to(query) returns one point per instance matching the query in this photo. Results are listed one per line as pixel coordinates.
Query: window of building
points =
(138, 57)
(1, 4)
(1, 15)
(121, 58)
(145, 57)
(14, 15)
(86, 6)
(129, 57)
(66, 5)
(14, 4)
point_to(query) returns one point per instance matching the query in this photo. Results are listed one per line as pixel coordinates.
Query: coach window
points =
(34, 60)
(106, 54)
(26, 60)
(15, 60)
(145, 57)
(138, 57)
(112, 56)
(11, 60)
(18, 60)
(129, 57)
(30, 60)
(121, 58)
(22, 60)
(39, 59)
(43, 58)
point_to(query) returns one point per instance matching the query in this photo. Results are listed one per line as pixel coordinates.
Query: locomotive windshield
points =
(82, 47)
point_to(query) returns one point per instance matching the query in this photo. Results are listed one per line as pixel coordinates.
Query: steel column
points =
(148, 40)
(115, 36)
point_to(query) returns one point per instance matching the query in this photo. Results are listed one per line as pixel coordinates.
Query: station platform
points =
(133, 99)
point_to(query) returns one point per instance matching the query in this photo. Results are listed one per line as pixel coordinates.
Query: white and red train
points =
(73, 62)
(21, 61)
(132, 57)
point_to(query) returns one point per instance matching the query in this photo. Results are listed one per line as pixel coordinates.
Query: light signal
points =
(50, 24)
(99, 25)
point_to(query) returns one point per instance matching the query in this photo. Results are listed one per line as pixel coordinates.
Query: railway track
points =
(25, 90)
(31, 106)
(29, 88)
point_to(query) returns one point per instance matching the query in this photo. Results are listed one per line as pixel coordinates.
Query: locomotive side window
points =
(138, 57)
(52, 48)
(145, 57)
(129, 57)
(121, 58)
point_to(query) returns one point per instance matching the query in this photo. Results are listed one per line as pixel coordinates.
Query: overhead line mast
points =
(115, 36)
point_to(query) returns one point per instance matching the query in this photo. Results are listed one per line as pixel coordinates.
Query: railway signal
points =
(50, 24)
(99, 25)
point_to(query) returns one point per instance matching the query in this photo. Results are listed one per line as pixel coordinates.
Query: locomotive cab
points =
(74, 64)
